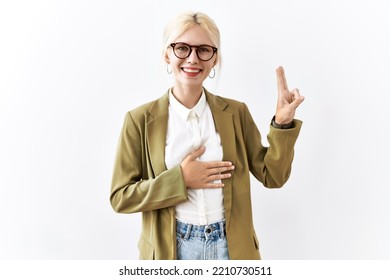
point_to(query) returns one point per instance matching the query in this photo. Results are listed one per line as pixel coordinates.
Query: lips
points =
(191, 70)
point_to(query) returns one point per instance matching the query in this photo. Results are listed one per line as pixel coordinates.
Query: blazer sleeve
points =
(270, 165)
(134, 187)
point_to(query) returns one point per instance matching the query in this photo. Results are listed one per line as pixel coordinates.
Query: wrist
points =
(281, 125)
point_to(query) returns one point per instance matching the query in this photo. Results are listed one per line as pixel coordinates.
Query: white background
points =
(69, 71)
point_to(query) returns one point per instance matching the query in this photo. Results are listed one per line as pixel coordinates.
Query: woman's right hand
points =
(200, 175)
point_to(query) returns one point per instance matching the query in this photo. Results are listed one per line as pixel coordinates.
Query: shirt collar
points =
(183, 111)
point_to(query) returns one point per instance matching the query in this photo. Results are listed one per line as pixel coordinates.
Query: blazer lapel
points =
(156, 132)
(225, 127)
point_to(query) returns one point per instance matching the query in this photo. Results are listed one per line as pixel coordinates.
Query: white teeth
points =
(191, 70)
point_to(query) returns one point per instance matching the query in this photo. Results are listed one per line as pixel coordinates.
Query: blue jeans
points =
(201, 242)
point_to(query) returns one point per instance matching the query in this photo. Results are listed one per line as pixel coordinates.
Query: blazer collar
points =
(215, 102)
(183, 111)
(156, 133)
(160, 106)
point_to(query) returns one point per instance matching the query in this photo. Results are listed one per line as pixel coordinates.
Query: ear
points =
(166, 57)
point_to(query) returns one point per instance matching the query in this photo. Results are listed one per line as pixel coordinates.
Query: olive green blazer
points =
(142, 183)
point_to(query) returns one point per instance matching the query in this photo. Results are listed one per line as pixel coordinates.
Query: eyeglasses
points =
(183, 50)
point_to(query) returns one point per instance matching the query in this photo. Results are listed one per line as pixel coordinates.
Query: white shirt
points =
(189, 129)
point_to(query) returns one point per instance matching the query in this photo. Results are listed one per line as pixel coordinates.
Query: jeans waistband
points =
(187, 231)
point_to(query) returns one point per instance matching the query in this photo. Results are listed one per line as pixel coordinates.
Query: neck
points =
(187, 95)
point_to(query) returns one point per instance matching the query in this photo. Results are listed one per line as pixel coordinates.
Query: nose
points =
(193, 57)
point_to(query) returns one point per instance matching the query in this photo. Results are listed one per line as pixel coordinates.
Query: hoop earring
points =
(211, 77)
(169, 71)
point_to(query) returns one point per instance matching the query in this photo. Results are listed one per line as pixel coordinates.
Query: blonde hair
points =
(180, 24)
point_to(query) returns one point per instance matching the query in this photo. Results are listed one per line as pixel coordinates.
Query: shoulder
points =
(227, 104)
(150, 109)
(233, 103)
(141, 110)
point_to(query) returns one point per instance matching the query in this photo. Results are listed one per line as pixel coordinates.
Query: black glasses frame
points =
(196, 50)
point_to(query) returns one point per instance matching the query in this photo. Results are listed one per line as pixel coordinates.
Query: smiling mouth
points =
(191, 71)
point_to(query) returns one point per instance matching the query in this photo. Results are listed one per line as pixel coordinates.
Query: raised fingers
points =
(281, 79)
(295, 93)
(297, 98)
(284, 79)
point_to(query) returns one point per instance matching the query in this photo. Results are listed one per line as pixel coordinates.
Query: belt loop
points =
(188, 233)
(222, 228)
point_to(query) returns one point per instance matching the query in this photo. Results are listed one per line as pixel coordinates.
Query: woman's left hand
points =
(288, 101)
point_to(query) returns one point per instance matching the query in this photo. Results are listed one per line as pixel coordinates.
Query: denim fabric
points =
(201, 242)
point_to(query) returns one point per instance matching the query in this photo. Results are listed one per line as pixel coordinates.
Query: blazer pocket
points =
(146, 250)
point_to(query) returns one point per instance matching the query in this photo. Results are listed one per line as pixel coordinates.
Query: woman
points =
(184, 159)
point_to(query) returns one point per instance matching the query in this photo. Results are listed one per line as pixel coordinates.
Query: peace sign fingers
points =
(281, 79)
(288, 100)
